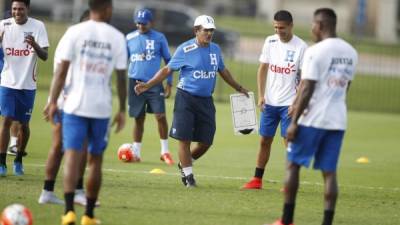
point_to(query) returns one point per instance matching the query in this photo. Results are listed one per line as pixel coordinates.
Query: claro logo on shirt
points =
(201, 74)
(18, 52)
(282, 70)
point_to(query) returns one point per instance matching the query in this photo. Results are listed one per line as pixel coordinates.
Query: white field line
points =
(396, 189)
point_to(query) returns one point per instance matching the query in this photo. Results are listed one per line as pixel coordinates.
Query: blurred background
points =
(372, 26)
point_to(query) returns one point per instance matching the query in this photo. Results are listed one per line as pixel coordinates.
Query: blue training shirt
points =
(145, 52)
(198, 67)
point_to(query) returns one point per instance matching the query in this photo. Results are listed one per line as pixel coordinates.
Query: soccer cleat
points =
(68, 218)
(48, 197)
(254, 183)
(86, 220)
(278, 222)
(3, 170)
(191, 182)
(12, 150)
(18, 169)
(80, 198)
(167, 158)
(182, 174)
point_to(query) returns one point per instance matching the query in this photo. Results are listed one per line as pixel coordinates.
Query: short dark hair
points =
(283, 15)
(328, 16)
(27, 2)
(85, 15)
(99, 4)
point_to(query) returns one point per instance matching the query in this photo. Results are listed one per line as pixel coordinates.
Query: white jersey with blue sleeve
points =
(198, 67)
(145, 52)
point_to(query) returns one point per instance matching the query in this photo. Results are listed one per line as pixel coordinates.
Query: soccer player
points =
(55, 154)
(277, 78)
(93, 49)
(23, 39)
(146, 48)
(320, 118)
(198, 61)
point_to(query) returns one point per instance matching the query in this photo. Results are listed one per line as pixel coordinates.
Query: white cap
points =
(205, 21)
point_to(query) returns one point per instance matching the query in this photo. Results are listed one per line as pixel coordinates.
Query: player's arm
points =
(57, 85)
(42, 53)
(307, 88)
(226, 75)
(119, 118)
(168, 86)
(157, 78)
(261, 80)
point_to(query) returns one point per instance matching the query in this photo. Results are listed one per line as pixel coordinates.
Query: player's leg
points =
(291, 188)
(156, 104)
(300, 153)
(74, 132)
(97, 141)
(331, 193)
(12, 146)
(199, 150)
(269, 120)
(326, 160)
(80, 196)
(24, 107)
(52, 165)
(163, 131)
(137, 105)
(182, 129)
(138, 129)
(5, 124)
(23, 137)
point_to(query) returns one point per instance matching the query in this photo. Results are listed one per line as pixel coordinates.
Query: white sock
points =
(187, 170)
(164, 146)
(137, 146)
(13, 141)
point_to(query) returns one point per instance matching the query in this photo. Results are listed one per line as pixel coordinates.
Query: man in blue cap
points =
(146, 48)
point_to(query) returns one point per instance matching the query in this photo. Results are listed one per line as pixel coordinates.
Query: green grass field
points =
(369, 193)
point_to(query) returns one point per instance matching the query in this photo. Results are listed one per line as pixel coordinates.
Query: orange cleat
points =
(254, 183)
(167, 158)
(278, 222)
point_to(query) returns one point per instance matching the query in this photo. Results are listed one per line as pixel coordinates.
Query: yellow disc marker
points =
(363, 160)
(157, 171)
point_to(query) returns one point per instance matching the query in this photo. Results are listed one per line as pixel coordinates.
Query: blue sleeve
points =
(178, 60)
(166, 56)
(221, 64)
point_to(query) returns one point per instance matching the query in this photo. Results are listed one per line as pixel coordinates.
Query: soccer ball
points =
(16, 214)
(125, 153)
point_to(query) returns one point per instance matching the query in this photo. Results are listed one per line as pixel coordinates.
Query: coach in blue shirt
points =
(146, 48)
(198, 61)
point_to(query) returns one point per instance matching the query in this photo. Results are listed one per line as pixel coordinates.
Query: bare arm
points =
(261, 80)
(119, 118)
(226, 75)
(307, 88)
(158, 78)
(42, 53)
(57, 85)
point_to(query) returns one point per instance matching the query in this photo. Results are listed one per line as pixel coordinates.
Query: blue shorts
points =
(270, 118)
(151, 101)
(17, 104)
(194, 118)
(323, 145)
(77, 129)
